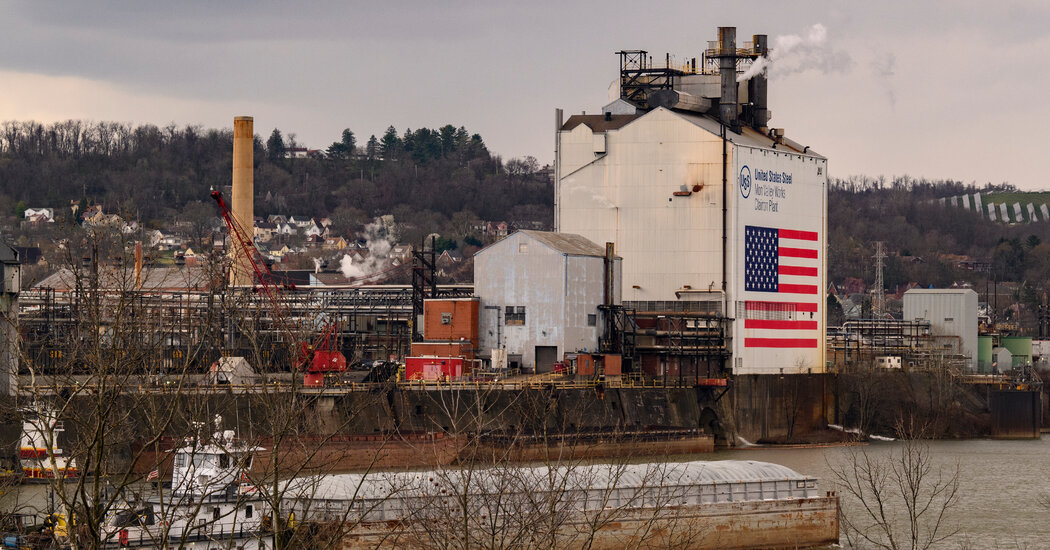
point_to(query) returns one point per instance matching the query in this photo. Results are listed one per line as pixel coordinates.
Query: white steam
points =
(379, 243)
(582, 193)
(793, 53)
(602, 201)
(758, 66)
(884, 67)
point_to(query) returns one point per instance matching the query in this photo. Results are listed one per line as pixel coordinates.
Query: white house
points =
(540, 293)
(46, 215)
(300, 221)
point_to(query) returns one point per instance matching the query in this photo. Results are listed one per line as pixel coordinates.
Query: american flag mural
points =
(785, 263)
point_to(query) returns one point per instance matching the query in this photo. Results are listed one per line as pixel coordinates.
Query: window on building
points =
(523, 248)
(180, 461)
(248, 511)
(224, 461)
(446, 318)
(515, 316)
(592, 320)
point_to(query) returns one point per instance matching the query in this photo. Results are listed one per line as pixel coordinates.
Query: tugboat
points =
(39, 455)
(211, 501)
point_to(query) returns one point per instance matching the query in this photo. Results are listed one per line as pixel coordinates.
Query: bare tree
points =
(490, 500)
(900, 501)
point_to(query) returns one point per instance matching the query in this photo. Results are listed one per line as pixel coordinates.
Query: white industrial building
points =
(705, 204)
(540, 293)
(951, 312)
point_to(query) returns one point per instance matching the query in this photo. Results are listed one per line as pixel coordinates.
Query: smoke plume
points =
(884, 67)
(379, 243)
(793, 53)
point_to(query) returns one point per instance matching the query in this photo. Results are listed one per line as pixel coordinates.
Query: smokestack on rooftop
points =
(758, 86)
(242, 206)
(138, 265)
(727, 69)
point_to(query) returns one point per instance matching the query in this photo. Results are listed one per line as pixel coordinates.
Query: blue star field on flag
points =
(761, 259)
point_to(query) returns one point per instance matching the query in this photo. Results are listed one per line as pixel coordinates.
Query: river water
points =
(1002, 485)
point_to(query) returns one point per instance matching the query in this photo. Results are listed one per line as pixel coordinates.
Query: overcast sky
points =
(951, 89)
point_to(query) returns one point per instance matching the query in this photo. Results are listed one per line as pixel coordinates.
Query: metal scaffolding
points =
(165, 329)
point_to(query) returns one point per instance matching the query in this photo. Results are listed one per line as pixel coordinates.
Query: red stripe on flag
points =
(781, 306)
(798, 252)
(797, 270)
(798, 289)
(777, 324)
(799, 235)
(780, 342)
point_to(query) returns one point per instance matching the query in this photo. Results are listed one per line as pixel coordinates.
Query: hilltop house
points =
(40, 215)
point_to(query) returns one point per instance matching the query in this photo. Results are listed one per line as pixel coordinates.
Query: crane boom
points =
(316, 358)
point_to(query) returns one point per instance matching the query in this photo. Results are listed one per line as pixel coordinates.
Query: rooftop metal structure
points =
(172, 327)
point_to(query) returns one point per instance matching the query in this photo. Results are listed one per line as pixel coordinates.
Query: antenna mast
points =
(878, 302)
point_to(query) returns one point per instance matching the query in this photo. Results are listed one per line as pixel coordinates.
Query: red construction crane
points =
(318, 357)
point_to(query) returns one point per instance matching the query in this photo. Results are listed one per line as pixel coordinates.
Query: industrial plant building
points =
(540, 293)
(951, 312)
(714, 213)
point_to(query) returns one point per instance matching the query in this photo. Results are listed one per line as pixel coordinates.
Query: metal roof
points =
(383, 485)
(598, 123)
(940, 291)
(183, 278)
(8, 254)
(748, 136)
(567, 243)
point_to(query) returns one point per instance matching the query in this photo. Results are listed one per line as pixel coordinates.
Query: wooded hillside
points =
(445, 180)
(152, 174)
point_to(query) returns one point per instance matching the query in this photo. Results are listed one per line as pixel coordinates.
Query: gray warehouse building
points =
(950, 312)
(540, 293)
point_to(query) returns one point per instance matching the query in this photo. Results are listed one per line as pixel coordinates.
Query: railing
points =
(509, 382)
(151, 538)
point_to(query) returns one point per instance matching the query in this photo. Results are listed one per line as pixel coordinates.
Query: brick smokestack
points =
(138, 265)
(242, 206)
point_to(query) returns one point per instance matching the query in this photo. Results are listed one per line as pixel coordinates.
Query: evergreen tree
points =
(390, 145)
(344, 148)
(275, 147)
(372, 148)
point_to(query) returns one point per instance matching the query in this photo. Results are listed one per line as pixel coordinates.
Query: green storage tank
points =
(1020, 347)
(984, 354)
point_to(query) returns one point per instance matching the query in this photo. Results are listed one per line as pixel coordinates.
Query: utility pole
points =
(878, 302)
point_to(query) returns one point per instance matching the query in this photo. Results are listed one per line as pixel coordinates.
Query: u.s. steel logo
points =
(745, 182)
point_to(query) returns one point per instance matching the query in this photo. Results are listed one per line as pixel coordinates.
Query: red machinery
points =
(433, 368)
(318, 357)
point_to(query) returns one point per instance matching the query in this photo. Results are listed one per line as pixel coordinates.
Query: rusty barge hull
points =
(774, 524)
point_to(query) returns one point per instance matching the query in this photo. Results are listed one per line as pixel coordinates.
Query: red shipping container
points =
(433, 368)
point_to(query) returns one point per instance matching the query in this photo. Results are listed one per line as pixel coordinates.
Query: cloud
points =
(45, 98)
